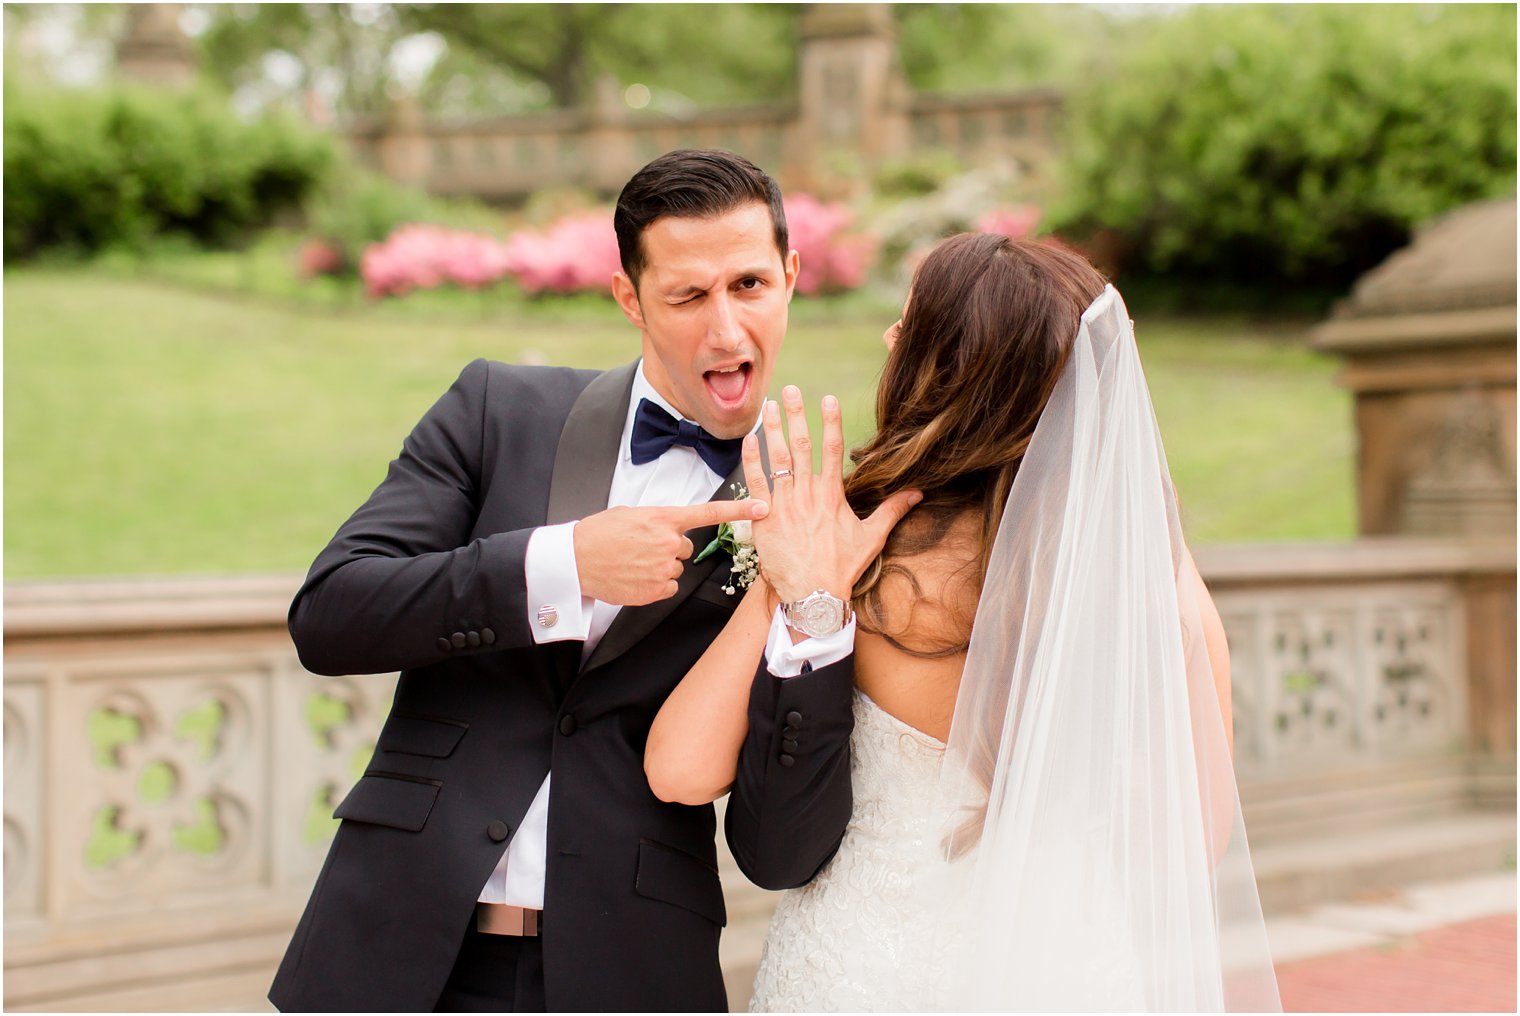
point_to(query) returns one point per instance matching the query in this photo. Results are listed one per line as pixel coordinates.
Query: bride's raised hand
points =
(811, 539)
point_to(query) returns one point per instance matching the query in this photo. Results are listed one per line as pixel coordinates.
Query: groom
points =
(526, 565)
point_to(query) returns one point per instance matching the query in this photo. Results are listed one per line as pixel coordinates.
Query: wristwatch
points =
(817, 614)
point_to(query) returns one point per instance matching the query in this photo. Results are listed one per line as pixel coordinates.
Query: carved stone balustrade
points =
(170, 769)
(1372, 680)
(170, 775)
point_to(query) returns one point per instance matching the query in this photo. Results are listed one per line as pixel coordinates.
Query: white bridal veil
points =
(1109, 869)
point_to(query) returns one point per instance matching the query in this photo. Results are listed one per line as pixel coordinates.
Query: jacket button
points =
(473, 638)
(789, 732)
(788, 745)
(567, 724)
(487, 636)
(458, 639)
(794, 717)
(787, 761)
(444, 645)
(497, 830)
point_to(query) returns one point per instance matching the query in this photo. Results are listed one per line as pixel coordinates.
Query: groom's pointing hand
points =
(632, 556)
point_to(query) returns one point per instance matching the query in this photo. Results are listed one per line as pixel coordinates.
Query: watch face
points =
(820, 614)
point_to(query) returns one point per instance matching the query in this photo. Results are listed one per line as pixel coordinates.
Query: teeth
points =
(728, 370)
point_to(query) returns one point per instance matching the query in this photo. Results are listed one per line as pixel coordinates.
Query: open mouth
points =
(729, 385)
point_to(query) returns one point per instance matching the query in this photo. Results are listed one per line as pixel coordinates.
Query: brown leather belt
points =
(505, 919)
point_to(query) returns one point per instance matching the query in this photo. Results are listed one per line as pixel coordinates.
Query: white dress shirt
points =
(678, 477)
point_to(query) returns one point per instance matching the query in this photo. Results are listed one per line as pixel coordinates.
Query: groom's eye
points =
(749, 283)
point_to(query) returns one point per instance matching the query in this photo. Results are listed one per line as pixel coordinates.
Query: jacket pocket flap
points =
(411, 734)
(674, 876)
(389, 799)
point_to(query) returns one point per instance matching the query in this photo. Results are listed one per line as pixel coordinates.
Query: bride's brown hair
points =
(989, 323)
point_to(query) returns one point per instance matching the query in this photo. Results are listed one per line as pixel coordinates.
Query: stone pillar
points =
(604, 146)
(853, 100)
(154, 49)
(401, 149)
(1428, 339)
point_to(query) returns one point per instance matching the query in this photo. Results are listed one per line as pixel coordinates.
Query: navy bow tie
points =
(655, 430)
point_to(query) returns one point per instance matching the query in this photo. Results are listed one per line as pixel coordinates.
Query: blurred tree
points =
(989, 47)
(1263, 144)
(61, 44)
(717, 53)
(344, 54)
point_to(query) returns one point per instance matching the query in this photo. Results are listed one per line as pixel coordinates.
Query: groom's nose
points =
(723, 329)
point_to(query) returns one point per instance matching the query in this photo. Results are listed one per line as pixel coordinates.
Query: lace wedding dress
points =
(858, 938)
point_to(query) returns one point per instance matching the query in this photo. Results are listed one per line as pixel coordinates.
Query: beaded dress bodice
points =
(857, 938)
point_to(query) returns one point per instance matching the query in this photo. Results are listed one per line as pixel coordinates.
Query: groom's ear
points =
(791, 264)
(627, 296)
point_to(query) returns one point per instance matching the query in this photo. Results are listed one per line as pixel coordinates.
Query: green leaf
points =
(707, 551)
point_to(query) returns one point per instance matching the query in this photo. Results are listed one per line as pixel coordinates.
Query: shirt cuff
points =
(786, 659)
(557, 612)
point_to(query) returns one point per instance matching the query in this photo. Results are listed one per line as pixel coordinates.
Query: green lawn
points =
(154, 429)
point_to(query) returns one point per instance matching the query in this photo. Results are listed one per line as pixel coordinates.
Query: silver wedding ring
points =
(778, 474)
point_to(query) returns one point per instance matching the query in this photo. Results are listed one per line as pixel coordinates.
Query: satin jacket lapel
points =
(583, 466)
(589, 447)
(633, 623)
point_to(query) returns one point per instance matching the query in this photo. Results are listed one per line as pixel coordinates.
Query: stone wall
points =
(853, 113)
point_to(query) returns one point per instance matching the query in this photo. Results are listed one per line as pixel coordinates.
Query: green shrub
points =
(86, 170)
(1272, 144)
(356, 207)
(916, 175)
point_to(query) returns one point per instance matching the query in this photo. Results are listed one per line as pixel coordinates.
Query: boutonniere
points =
(738, 539)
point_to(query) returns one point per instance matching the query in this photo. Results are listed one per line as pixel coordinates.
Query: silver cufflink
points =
(548, 617)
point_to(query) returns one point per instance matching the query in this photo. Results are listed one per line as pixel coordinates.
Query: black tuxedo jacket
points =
(427, 578)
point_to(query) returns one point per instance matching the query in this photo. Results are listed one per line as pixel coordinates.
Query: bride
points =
(1044, 810)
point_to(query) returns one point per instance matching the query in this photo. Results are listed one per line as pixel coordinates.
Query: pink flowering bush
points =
(319, 257)
(1018, 222)
(833, 259)
(426, 257)
(577, 253)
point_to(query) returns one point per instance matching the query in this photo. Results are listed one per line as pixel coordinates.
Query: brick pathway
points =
(1466, 967)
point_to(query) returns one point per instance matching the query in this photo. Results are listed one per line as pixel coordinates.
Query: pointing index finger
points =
(711, 513)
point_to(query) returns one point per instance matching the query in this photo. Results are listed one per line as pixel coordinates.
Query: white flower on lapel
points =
(738, 539)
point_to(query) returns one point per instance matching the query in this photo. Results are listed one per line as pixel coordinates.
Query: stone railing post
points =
(401, 146)
(852, 97)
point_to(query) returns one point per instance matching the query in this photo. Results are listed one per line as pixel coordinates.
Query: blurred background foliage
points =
(1232, 145)
(1298, 143)
(232, 391)
(89, 170)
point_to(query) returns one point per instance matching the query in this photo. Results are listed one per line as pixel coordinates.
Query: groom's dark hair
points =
(695, 183)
